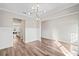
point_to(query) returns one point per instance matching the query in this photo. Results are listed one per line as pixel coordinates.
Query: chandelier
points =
(35, 12)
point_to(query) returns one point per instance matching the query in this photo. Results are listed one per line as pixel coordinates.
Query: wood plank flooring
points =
(36, 48)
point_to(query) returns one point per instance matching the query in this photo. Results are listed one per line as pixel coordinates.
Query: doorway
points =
(19, 28)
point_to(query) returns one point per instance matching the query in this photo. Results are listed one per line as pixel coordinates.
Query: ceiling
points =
(19, 8)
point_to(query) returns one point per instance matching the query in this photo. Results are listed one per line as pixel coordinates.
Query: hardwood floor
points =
(36, 48)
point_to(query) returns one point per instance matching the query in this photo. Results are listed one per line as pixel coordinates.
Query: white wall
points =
(5, 31)
(32, 30)
(5, 37)
(61, 29)
(6, 28)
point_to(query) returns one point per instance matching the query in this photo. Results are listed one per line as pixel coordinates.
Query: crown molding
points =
(60, 12)
(42, 19)
(50, 18)
(7, 10)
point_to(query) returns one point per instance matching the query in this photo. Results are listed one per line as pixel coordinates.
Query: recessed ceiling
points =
(19, 8)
